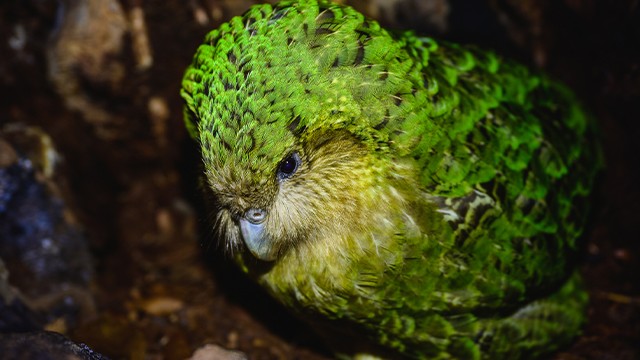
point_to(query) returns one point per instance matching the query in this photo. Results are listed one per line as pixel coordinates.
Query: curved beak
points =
(256, 240)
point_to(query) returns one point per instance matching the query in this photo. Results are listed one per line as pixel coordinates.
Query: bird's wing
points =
(508, 158)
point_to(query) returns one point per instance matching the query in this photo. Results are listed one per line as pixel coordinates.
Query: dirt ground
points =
(102, 79)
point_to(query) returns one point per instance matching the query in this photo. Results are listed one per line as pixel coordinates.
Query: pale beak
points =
(253, 234)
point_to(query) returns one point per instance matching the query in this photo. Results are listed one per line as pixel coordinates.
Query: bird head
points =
(290, 104)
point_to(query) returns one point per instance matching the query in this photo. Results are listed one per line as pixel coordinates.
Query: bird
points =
(408, 197)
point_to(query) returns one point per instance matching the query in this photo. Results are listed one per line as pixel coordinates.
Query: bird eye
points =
(288, 166)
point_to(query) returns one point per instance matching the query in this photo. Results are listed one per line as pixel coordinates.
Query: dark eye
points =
(288, 166)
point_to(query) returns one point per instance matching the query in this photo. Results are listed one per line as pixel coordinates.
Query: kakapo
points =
(409, 197)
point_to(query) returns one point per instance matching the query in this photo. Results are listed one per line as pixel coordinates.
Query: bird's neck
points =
(340, 267)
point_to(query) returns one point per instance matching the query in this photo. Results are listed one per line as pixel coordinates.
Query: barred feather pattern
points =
(441, 192)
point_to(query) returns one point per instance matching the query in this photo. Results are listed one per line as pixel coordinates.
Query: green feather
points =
(439, 194)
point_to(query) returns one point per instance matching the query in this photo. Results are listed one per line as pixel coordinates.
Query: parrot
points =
(410, 198)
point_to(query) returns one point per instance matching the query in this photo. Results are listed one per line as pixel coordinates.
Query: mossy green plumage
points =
(438, 191)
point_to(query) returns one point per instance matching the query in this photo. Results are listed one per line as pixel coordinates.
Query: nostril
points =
(255, 216)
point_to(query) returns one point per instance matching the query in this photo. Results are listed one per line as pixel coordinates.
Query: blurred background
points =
(104, 235)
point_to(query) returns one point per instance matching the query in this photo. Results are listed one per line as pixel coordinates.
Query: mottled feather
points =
(440, 190)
